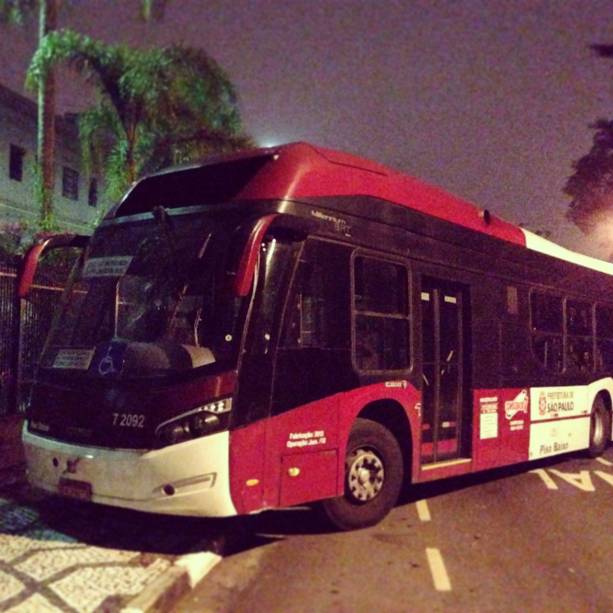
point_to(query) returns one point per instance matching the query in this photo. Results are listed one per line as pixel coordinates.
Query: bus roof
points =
(301, 170)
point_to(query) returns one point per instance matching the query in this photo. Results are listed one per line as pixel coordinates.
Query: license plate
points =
(82, 490)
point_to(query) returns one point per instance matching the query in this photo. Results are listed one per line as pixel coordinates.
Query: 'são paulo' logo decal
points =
(542, 404)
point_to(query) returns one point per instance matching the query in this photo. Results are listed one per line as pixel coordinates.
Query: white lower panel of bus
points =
(554, 437)
(190, 478)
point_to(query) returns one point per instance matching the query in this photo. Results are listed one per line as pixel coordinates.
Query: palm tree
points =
(154, 107)
(46, 121)
(17, 12)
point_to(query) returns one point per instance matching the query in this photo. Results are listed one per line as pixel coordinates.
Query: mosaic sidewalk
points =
(60, 555)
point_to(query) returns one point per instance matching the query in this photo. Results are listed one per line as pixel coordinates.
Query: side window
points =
(546, 314)
(276, 259)
(513, 336)
(381, 315)
(579, 330)
(276, 262)
(318, 315)
(512, 300)
(604, 333)
(314, 354)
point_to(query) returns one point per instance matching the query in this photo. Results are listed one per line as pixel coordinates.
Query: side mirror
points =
(35, 253)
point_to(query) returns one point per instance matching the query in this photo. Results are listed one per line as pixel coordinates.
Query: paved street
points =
(529, 538)
(58, 555)
(532, 538)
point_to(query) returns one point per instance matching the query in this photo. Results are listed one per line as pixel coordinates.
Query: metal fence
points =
(35, 319)
(8, 274)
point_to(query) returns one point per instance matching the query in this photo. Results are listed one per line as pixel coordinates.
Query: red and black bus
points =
(295, 324)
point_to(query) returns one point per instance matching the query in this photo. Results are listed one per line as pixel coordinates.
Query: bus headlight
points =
(206, 419)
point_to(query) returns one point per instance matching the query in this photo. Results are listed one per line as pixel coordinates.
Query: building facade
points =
(77, 196)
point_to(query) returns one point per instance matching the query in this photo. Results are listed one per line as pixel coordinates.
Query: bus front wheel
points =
(373, 478)
(600, 428)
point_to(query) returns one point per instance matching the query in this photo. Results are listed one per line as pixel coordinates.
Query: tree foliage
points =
(16, 11)
(591, 184)
(154, 107)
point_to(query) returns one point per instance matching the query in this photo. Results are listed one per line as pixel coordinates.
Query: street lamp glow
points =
(269, 142)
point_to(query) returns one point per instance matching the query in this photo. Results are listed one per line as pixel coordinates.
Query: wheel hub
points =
(365, 475)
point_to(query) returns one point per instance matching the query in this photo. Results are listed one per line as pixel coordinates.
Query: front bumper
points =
(191, 478)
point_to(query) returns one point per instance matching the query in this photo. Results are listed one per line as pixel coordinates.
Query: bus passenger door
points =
(249, 444)
(443, 370)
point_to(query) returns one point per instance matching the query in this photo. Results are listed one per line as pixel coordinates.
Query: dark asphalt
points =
(507, 542)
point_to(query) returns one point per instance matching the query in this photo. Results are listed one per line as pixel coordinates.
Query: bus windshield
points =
(157, 291)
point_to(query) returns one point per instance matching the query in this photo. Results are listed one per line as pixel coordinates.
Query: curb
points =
(12, 475)
(12, 459)
(182, 577)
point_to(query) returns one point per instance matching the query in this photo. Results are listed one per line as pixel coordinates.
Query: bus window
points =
(381, 317)
(156, 290)
(547, 330)
(314, 352)
(579, 345)
(319, 314)
(604, 333)
(276, 262)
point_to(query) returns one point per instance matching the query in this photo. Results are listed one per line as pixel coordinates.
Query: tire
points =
(373, 478)
(600, 428)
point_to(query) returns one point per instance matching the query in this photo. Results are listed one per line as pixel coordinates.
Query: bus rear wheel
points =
(600, 428)
(373, 478)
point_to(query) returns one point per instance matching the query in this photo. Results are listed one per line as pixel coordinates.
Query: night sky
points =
(487, 99)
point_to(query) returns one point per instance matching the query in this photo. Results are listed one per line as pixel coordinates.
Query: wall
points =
(17, 203)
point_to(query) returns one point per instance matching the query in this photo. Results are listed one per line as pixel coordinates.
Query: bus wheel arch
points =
(600, 424)
(377, 453)
(392, 416)
(373, 476)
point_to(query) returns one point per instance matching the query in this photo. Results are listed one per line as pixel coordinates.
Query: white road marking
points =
(581, 480)
(605, 462)
(547, 480)
(423, 512)
(198, 565)
(438, 570)
(606, 477)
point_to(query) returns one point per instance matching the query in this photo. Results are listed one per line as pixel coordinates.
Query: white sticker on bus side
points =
(553, 437)
(114, 266)
(76, 359)
(558, 402)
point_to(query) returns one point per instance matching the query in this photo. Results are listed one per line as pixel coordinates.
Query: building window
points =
(16, 155)
(70, 183)
(92, 194)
